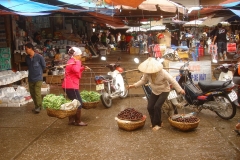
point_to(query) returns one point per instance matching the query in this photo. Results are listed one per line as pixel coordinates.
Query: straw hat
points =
(151, 65)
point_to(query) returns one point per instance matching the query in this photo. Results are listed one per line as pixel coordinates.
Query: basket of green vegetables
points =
(52, 103)
(90, 99)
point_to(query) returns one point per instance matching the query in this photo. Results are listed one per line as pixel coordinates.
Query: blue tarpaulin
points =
(27, 6)
(86, 4)
(237, 12)
(233, 4)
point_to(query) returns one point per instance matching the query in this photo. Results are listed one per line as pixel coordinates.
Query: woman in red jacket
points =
(70, 85)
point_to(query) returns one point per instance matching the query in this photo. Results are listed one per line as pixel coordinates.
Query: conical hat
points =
(151, 65)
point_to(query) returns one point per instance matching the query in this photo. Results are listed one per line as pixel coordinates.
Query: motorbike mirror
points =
(103, 58)
(136, 60)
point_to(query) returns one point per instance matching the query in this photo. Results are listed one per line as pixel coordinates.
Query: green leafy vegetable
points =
(54, 102)
(90, 96)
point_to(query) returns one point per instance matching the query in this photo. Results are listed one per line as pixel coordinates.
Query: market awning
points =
(214, 21)
(131, 3)
(157, 28)
(230, 3)
(151, 5)
(116, 22)
(196, 23)
(27, 6)
(237, 12)
(3, 12)
(136, 29)
(88, 4)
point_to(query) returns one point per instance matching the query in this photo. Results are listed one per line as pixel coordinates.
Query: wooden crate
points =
(54, 79)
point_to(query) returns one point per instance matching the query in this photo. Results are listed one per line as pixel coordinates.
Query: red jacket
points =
(73, 74)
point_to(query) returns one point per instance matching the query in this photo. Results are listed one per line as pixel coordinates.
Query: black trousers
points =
(155, 107)
(74, 94)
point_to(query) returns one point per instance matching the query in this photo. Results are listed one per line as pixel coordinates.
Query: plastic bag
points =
(71, 105)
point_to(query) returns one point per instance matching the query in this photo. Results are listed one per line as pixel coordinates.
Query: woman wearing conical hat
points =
(160, 81)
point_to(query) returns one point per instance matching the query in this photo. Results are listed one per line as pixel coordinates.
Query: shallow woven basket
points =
(182, 125)
(131, 125)
(60, 113)
(89, 105)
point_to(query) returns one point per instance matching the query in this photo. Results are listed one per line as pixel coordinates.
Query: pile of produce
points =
(130, 114)
(54, 102)
(90, 96)
(191, 119)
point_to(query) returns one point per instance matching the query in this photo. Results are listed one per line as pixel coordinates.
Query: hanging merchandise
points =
(212, 49)
(200, 51)
(157, 51)
(231, 47)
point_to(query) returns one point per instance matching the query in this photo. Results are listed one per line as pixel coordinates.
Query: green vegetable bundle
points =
(54, 102)
(90, 96)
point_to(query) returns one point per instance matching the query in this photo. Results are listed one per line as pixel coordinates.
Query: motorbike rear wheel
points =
(228, 109)
(106, 100)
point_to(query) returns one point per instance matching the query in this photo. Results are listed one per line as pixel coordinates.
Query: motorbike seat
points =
(107, 77)
(209, 85)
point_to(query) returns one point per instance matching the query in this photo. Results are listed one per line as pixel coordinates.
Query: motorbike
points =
(172, 53)
(112, 85)
(225, 72)
(217, 96)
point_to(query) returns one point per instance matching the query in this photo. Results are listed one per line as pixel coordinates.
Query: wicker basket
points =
(89, 105)
(131, 125)
(60, 113)
(183, 126)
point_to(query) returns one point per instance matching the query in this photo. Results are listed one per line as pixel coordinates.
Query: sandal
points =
(80, 124)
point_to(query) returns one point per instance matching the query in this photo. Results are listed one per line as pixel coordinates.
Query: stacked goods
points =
(191, 119)
(11, 97)
(184, 122)
(54, 102)
(58, 106)
(130, 114)
(90, 99)
(130, 119)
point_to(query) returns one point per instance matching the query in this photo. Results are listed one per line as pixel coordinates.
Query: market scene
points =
(120, 79)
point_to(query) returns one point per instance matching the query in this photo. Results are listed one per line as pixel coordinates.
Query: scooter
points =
(112, 85)
(217, 96)
(225, 72)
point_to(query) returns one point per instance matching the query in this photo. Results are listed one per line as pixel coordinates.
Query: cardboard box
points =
(134, 50)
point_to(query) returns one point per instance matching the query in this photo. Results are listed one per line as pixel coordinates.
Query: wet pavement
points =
(26, 136)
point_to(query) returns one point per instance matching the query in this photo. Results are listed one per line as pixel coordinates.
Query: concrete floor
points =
(26, 136)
